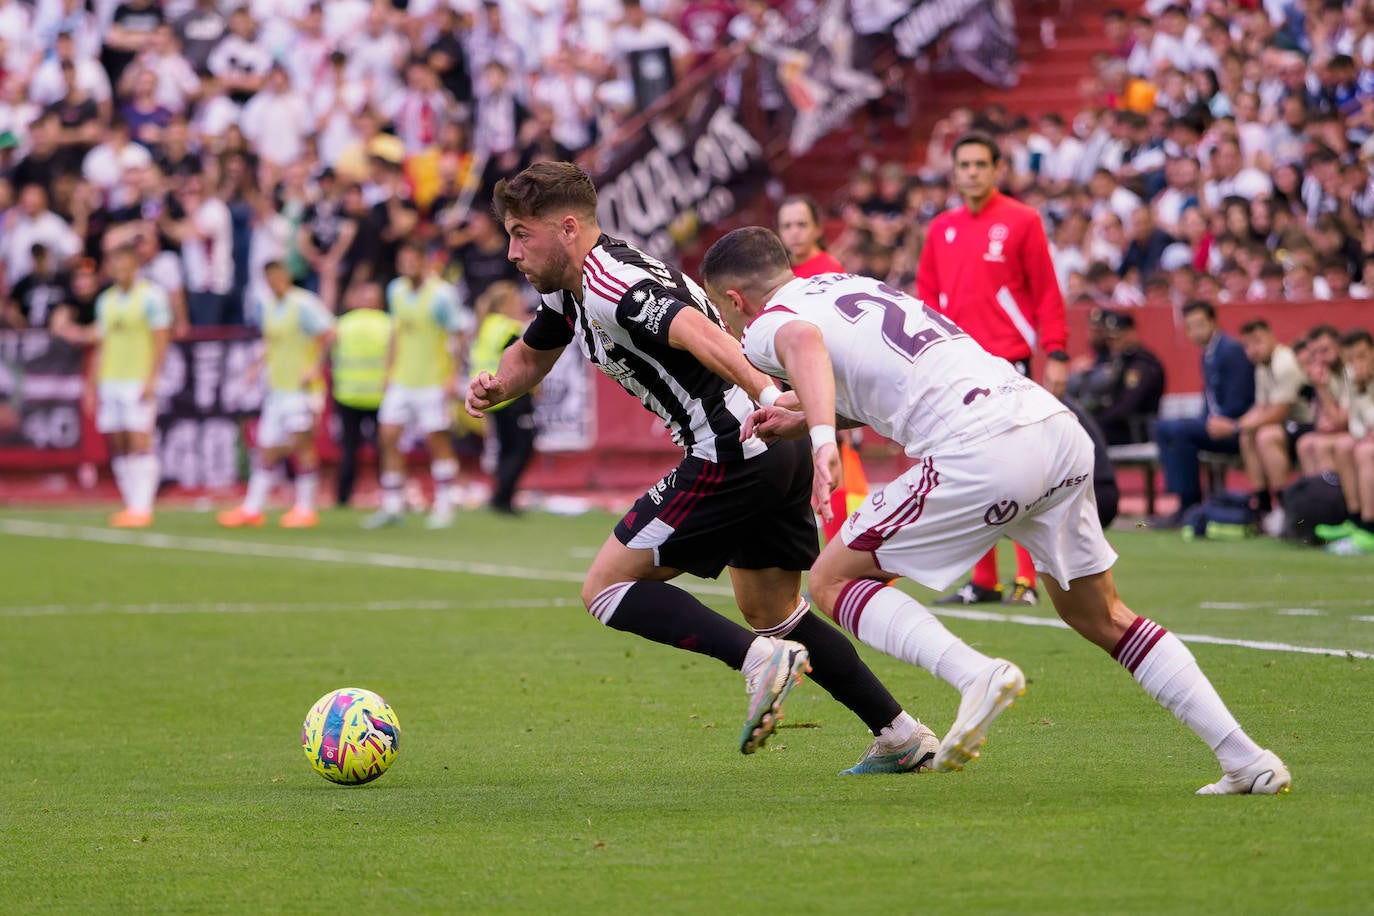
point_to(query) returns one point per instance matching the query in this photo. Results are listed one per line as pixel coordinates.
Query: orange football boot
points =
(300, 517)
(240, 518)
(130, 518)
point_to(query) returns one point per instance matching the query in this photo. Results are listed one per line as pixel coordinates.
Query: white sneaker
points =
(991, 694)
(383, 519)
(768, 683)
(1272, 524)
(1266, 776)
(439, 519)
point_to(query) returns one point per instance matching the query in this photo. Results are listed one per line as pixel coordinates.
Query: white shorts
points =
(424, 410)
(120, 409)
(286, 414)
(1033, 484)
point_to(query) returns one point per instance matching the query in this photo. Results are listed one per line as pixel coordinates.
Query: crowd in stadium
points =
(1221, 153)
(226, 135)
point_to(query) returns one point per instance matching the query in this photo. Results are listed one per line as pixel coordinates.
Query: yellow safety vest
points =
(290, 351)
(421, 358)
(126, 352)
(492, 338)
(360, 358)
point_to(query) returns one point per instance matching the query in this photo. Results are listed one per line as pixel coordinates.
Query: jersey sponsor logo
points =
(617, 370)
(651, 311)
(606, 342)
(1000, 513)
(997, 239)
(1063, 484)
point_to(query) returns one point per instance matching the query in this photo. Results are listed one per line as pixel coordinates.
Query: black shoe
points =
(504, 509)
(1171, 522)
(969, 593)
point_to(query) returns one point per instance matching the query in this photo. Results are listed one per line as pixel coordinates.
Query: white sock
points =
(119, 466)
(393, 492)
(144, 473)
(444, 473)
(897, 735)
(894, 622)
(1168, 672)
(260, 484)
(306, 484)
(787, 626)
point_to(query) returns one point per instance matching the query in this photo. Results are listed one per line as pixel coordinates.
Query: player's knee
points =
(1364, 452)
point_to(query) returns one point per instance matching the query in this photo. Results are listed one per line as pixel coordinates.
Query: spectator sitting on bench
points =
(1264, 441)
(1229, 391)
(1355, 451)
(1316, 449)
(1137, 384)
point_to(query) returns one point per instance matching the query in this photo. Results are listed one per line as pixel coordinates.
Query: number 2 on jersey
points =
(853, 305)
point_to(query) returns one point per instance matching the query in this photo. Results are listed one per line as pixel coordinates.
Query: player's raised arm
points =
(715, 349)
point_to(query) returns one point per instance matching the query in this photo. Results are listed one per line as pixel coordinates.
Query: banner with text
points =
(40, 393)
(203, 394)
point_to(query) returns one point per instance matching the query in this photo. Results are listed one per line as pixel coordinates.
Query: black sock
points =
(1262, 501)
(665, 613)
(837, 668)
(1353, 516)
(1366, 523)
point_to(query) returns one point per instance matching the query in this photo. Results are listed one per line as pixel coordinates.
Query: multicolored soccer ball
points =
(351, 736)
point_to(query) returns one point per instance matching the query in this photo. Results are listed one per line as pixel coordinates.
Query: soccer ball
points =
(350, 736)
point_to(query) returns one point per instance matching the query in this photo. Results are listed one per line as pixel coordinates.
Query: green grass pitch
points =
(155, 687)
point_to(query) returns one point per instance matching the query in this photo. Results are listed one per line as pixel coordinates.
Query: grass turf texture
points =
(547, 764)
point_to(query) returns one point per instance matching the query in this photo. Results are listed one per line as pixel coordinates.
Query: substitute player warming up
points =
(296, 328)
(997, 454)
(133, 321)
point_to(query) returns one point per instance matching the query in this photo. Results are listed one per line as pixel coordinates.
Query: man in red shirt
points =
(799, 227)
(986, 264)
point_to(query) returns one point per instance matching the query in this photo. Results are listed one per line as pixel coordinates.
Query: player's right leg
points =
(392, 416)
(626, 590)
(128, 420)
(851, 588)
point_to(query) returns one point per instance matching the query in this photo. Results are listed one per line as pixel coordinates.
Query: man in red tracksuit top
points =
(986, 264)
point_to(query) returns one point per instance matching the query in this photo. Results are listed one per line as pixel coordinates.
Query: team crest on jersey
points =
(949, 235)
(651, 310)
(997, 239)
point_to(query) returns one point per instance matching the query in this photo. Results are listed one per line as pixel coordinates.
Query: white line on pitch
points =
(26, 528)
(226, 607)
(222, 546)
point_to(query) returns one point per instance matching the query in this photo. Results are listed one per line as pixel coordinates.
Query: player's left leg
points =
(436, 422)
(626, 589)
(302, 513)
(1168, 672)
(142, 471)
(1360, 541)
(1066, 536)
(772, 604)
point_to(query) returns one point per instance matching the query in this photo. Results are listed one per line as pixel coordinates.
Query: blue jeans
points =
(206, 309)
(1179, 442)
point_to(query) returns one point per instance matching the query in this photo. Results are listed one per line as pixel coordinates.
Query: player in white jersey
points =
(731, 502)
(998, 455)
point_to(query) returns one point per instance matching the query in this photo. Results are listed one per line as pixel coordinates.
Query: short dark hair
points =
(1253, 325)
(1324, 330)
(1356, 336)
(802, 199)
(979, 138)
(543, 188)
(1203, 306)
(745, 254)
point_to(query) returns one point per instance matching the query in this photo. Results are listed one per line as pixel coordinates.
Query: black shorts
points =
(1296, 431)
(753, 514)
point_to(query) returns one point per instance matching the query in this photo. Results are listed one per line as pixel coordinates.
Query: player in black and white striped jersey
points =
(730, 503)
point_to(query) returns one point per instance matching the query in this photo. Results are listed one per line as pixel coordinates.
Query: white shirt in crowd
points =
(1248, 183)
(277, 123)
(48, 87)
(18, 238)
(237, 55)
(164, 270)
(209, 259)
(104, 166)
